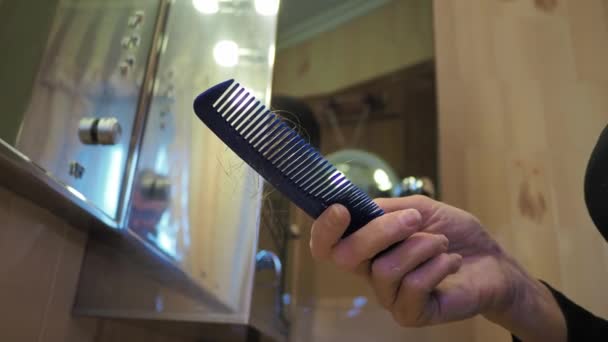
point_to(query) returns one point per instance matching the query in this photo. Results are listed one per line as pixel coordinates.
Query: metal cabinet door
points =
(93, 67)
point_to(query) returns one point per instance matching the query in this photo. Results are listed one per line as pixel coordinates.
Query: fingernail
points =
(457, 258)
(410, 217)
(337, 213)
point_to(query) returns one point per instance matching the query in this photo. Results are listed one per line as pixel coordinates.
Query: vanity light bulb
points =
(206, 6)
(267, 7)
(226, 53)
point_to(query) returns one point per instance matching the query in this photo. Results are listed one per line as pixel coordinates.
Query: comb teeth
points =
(280, 155)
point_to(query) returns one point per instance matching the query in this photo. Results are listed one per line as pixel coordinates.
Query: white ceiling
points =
(294, 12)
(300, 20)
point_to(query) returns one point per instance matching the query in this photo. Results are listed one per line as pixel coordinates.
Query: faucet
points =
(267, 260)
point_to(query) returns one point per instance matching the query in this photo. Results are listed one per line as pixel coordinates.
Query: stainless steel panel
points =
(19, 174)
(93, 66)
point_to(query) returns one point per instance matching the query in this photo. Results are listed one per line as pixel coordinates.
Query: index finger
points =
(421, 203)
(327, 230)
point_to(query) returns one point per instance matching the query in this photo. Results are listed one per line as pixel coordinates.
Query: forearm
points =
(532, 313)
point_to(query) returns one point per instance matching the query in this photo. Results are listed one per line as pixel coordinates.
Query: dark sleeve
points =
(582, 325)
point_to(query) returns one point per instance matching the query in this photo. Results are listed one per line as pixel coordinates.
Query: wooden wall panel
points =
(523, 91)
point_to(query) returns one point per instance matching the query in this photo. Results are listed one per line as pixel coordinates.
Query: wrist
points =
(528, 309)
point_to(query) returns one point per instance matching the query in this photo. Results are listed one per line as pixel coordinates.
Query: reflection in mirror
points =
(193, 198)
(366, 71)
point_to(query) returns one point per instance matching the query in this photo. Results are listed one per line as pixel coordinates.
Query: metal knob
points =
(99, 131)
(155, 187)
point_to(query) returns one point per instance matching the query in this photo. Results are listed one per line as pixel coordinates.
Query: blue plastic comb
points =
(280, 155)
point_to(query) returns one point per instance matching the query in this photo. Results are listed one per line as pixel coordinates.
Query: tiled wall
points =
(523, 96)
(40, 259)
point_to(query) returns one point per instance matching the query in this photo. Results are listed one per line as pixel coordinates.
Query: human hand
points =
(442, 265)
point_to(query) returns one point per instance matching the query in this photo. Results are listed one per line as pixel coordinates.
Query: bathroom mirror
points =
(366, 71)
